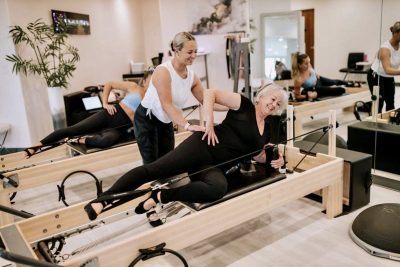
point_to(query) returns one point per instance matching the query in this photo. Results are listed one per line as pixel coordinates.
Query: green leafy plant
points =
(54, 59)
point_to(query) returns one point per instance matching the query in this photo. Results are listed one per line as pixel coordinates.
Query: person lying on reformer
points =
(243, 131)
(308, 85)
(104, 128)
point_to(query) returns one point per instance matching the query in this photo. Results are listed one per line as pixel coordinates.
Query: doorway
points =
(283, 34)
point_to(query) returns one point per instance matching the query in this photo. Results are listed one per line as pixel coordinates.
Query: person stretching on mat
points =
(243, 131)
(104, 128)
(313, 85)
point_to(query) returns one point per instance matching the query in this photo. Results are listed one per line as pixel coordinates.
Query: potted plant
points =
(52, 58)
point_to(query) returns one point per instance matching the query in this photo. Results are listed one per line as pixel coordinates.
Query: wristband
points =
(187, 126)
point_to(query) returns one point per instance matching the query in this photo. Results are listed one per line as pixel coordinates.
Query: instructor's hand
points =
(196, 128)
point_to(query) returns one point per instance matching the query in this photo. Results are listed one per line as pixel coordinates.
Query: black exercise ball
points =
(377, 230)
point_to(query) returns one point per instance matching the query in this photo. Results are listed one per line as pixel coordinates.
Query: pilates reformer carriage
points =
(55, 171)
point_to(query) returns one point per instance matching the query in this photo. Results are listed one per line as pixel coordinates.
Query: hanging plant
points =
(54, 58)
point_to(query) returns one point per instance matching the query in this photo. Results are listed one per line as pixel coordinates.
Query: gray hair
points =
(270, 89)
(180, 39)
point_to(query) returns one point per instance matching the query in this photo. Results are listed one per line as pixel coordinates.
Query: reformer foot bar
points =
(56, 171)
(317, 172)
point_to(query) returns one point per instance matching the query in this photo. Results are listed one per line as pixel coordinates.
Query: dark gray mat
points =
(386, 182)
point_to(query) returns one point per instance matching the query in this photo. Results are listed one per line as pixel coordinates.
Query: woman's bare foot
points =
(93, 209)
(312, 95)
(97, 207)
(150, 203)
(30, 151)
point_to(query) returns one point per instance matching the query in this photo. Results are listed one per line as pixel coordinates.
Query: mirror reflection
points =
(348, 36)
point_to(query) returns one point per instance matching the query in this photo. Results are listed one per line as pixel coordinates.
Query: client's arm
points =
(198, 93)
(122, 85)
(221, 97)
(297, 88)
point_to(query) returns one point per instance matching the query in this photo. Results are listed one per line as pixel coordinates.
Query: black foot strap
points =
(155, 251)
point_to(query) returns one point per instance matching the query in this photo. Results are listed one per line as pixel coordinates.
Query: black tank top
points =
(238, 133)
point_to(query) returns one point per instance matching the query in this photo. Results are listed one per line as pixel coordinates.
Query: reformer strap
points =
(155, 251)
(61, 188)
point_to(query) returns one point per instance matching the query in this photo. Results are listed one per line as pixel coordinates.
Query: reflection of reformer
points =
(310, 174)
(55, 151)
(34, 176)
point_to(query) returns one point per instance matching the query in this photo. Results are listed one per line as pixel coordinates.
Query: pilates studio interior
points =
(334, 200)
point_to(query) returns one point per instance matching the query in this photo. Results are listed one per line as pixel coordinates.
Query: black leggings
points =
(111, 127)
(190, 156)
(154, 137)
(324, 87)
(386, 89)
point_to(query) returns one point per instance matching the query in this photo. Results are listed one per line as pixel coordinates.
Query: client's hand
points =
(278, 162)
(110, 109)
(210, 134)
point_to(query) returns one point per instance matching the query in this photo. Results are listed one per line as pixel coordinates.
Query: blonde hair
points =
(270, 89)
(395, 28)
(297, 59)
(180, 39)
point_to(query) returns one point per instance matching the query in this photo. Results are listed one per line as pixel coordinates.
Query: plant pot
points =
(57, 107)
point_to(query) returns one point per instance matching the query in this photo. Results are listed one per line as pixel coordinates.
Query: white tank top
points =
(394, 60)
(180, 90)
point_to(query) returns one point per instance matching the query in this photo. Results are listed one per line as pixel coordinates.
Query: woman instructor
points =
(170, 87)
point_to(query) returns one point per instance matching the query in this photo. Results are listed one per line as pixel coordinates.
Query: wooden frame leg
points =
(5, 218)
(332, 199)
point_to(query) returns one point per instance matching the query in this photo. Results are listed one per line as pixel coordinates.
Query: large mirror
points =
(336, 35)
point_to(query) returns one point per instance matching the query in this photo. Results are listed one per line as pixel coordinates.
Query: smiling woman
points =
(207, 157)
(170, 87)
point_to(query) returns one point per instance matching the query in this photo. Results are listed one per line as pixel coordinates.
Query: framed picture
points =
(72, 23)
(218, 16)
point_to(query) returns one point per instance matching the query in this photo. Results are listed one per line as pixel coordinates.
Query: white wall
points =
(342, 26)
(116, 37)
(12, 108)
(151, 29)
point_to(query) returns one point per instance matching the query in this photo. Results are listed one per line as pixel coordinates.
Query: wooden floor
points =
(297, 234)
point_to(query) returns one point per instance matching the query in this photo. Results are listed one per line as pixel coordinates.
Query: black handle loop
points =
(61, 188)
(158, 250)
